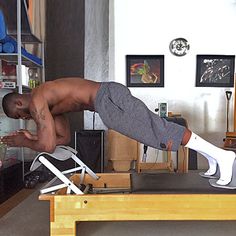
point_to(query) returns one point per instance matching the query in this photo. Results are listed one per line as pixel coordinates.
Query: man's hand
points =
(18, 138)
(14, 140)
(28, 134)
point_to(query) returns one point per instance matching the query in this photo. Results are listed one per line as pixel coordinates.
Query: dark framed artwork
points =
(145, 70)
(215, 71)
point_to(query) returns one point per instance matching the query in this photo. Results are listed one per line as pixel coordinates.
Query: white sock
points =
(225, 159)
(212, 164)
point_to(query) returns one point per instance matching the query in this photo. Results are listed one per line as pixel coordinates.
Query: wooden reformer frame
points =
(67, 210)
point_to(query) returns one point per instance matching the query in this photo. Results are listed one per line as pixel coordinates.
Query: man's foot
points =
(209, 174)
(230, 185)
(226, 168)
(213, 171)
(212, 167)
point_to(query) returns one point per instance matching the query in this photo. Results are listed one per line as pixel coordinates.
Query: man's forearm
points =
(22, 139)
(36, 145)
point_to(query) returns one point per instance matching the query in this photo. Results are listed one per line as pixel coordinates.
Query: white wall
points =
(148, 26)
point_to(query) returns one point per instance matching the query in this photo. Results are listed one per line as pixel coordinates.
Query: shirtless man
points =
(118, 109)
(46, 105)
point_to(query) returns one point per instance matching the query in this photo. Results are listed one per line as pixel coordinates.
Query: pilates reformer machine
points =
(86, 196)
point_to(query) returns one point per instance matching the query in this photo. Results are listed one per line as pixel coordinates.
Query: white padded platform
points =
(231, 185)
(62, 153)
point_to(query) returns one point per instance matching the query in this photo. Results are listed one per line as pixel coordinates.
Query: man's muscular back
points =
(69, 94)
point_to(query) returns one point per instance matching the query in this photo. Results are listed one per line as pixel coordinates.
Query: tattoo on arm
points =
(39, 116)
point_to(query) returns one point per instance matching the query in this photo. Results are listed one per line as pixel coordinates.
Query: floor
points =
(15, 200)
(29, 217)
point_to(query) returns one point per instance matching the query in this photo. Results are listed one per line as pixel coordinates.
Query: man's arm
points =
(45, 124)
(50, 130)
(23, 138)
(44, 140)
(62, 127)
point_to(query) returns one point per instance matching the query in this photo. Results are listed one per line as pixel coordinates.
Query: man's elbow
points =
(50, 148)
(64, 140)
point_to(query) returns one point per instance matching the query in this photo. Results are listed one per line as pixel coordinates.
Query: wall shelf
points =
(18, 29)
(10, 12)
(13, 58)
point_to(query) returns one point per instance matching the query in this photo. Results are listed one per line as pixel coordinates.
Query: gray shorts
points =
(128, 115)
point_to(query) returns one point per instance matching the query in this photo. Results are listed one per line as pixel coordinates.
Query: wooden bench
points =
(118, 200)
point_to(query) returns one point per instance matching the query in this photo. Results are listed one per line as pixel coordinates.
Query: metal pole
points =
(19, 73)
(19, 58)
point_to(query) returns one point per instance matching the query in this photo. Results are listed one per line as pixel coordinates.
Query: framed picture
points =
(215, 71)
(145, 70)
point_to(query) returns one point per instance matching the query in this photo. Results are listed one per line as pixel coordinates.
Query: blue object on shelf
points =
(0, 47)
(9, 44)
(2, 26)
(31, 56)
(8, 8)
(8, 47)
(10, 40)
(11, 47)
